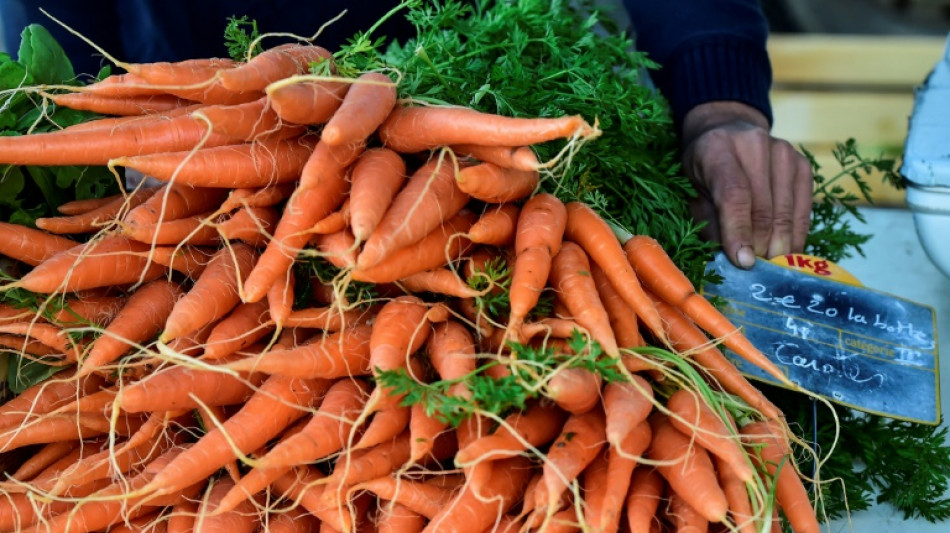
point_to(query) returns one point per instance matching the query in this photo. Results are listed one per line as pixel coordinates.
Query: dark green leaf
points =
(43, 57)
(24, 372)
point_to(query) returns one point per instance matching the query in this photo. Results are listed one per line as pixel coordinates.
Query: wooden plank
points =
(882, 60)
(819, 117)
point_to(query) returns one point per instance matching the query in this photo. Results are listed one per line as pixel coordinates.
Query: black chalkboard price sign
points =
(856, 346)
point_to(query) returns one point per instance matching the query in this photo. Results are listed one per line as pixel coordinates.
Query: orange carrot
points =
(570, 276)
(307, 102)
(180, 387)
(621, 461)
(272, 65)
(399, 330)
(29, 245)
(496, 226)
(659, 274)
(84, 310)
(198, 230)
(537, 240)
(491, 183)
(687, 338)
(189, 260)
(365, 106)
(594, 485)
(46, 396)
(213, 295)
(174, 201)
(43, 458)
(623, 320)
(251, 225)
(627, 405)
(576, 390)
(339, 248)
(769, 446)
(395, 518)
(341, 354)
(536, 426)
(98, 147)
(686, 466)
(254, 164)
(53, 428)
(278, 403)
(21, 510)
(423, 429)
(514, 157)
(246, 122)
(473, 511)
(579, 443)
(266, 196)
(122, 106)
(118, 85)
(719, 437)
(387, 423)
(443, 245)
(182, 517)
(414, 129)
(303, 486)
(422, 498)
(438, 281)
(363, 465)
(139, 320)
(149, 442)
(376, 177)
(429, 198)
(334, 222)
(151, 522)
(643, 499)
(685, 518)
(326, 318)
(245, 325)
(193, 79)
(549, 328)
(244, 518)
(290, 520)
(740, 508)
(325, 176)
(50, 335)
(95, 219)
(324, 434)
(280, 299)
(78, 207)
(451, 351)
(27, 345)
(595, 236)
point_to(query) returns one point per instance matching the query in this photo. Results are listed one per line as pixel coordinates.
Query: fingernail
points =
(745, 257)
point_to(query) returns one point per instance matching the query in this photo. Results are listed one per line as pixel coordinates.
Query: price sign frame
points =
(866, 349)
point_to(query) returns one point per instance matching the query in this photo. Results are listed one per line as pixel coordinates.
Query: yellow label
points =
(816, 266)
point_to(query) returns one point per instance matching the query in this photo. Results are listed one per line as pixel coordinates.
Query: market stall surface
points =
(894, 262)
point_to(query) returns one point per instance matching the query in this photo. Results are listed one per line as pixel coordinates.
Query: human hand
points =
(754, 190)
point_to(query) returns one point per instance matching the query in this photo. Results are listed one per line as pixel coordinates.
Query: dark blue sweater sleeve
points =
(708, 50)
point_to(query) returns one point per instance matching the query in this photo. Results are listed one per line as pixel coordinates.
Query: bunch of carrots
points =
(209, 383)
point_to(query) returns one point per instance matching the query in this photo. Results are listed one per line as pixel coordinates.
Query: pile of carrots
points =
(203, 390)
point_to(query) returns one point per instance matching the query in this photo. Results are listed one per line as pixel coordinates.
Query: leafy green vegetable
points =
(27, 193)
(24, 372)
(831, 236)
(43, 57)
(530, 369)
(552, 58)
(877, 460)
(240, 35)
